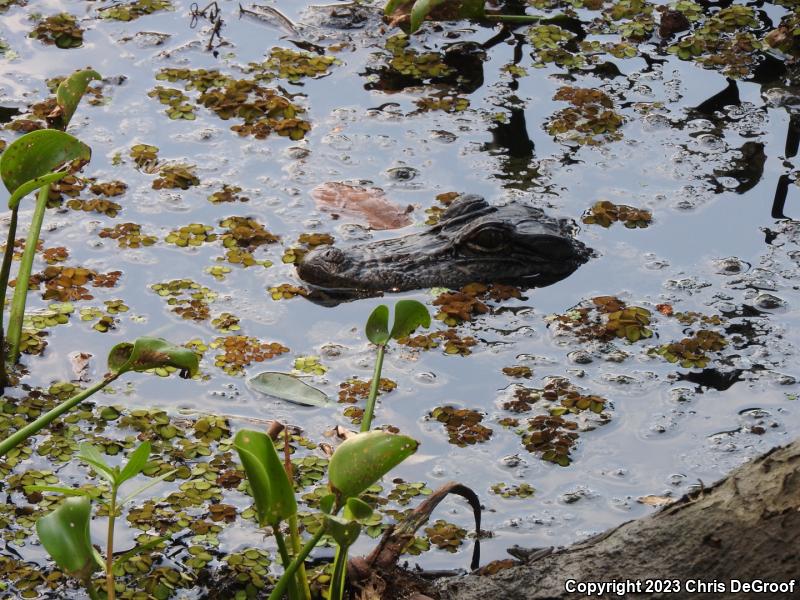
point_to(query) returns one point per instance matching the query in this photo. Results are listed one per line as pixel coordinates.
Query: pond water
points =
(720, 255)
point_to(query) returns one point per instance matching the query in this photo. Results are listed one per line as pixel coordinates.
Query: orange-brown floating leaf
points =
(371, 204)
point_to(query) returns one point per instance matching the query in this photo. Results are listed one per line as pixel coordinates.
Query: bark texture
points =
(745, 527)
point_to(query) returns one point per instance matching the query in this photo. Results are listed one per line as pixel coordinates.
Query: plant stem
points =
(288, 574)
(366, 421)
(302, 578)
(303, 591)
(23, 276)
(5, 271)
(112, 515)
(32, 428)
(286, 562)
(336, 590)
(93, 595)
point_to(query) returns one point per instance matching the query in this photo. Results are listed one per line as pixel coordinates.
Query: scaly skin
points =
(473, 242)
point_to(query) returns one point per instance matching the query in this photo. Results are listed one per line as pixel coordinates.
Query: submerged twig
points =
(213, 13)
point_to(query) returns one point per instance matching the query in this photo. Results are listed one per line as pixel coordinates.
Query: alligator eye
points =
(488, 240)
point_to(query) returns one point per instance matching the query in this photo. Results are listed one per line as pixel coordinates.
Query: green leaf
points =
(33, 185)
(91, 455)
(408, 315)
(393, 5)
(136, 462)
(377, 328)
(357, 509)
(149, 353)
(288, 387)
(326, 503)
(269, 484)
(364, 458)
(37, 154)
(69, 94)
(344, 532)
(64, 533)
(147, 486)
(420, 10)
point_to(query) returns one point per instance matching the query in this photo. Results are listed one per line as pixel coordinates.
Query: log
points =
(745, 529)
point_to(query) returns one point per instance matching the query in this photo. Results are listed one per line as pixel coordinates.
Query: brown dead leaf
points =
(80, 365)
(370, 204)
(656, 501)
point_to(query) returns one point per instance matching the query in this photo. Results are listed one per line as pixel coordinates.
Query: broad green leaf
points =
(149, 353)
(408, 315)
(91, 455)
(326, 503)
(393, 5)
(69, 94)
(364, 458)
(136, 462)
(356, 508)
(269, 484)
(37, 154)
(377, 328)
(420, 10)
(33, 185)
(288, 387)
(64, 533)
(344, 532)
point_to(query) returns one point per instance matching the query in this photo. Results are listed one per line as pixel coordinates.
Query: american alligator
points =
(473, 242)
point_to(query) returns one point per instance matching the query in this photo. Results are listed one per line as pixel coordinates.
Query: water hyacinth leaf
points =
(149, 353)
(91, 455)
(64, 491)
(152, 483)
(288, 387)
(392, 5)
(39, 153)
(69, 94)
(326, 503)
(356, 508)
(377, 328)
(364, 458)
(136, 462)
(33, 185)
(344, 532)
(408, 315)
(269, 484)
(64, 533)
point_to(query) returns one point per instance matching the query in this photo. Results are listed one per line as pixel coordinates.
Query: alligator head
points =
(473, 242)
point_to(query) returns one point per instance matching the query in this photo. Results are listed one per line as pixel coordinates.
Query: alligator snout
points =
(473, 242)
